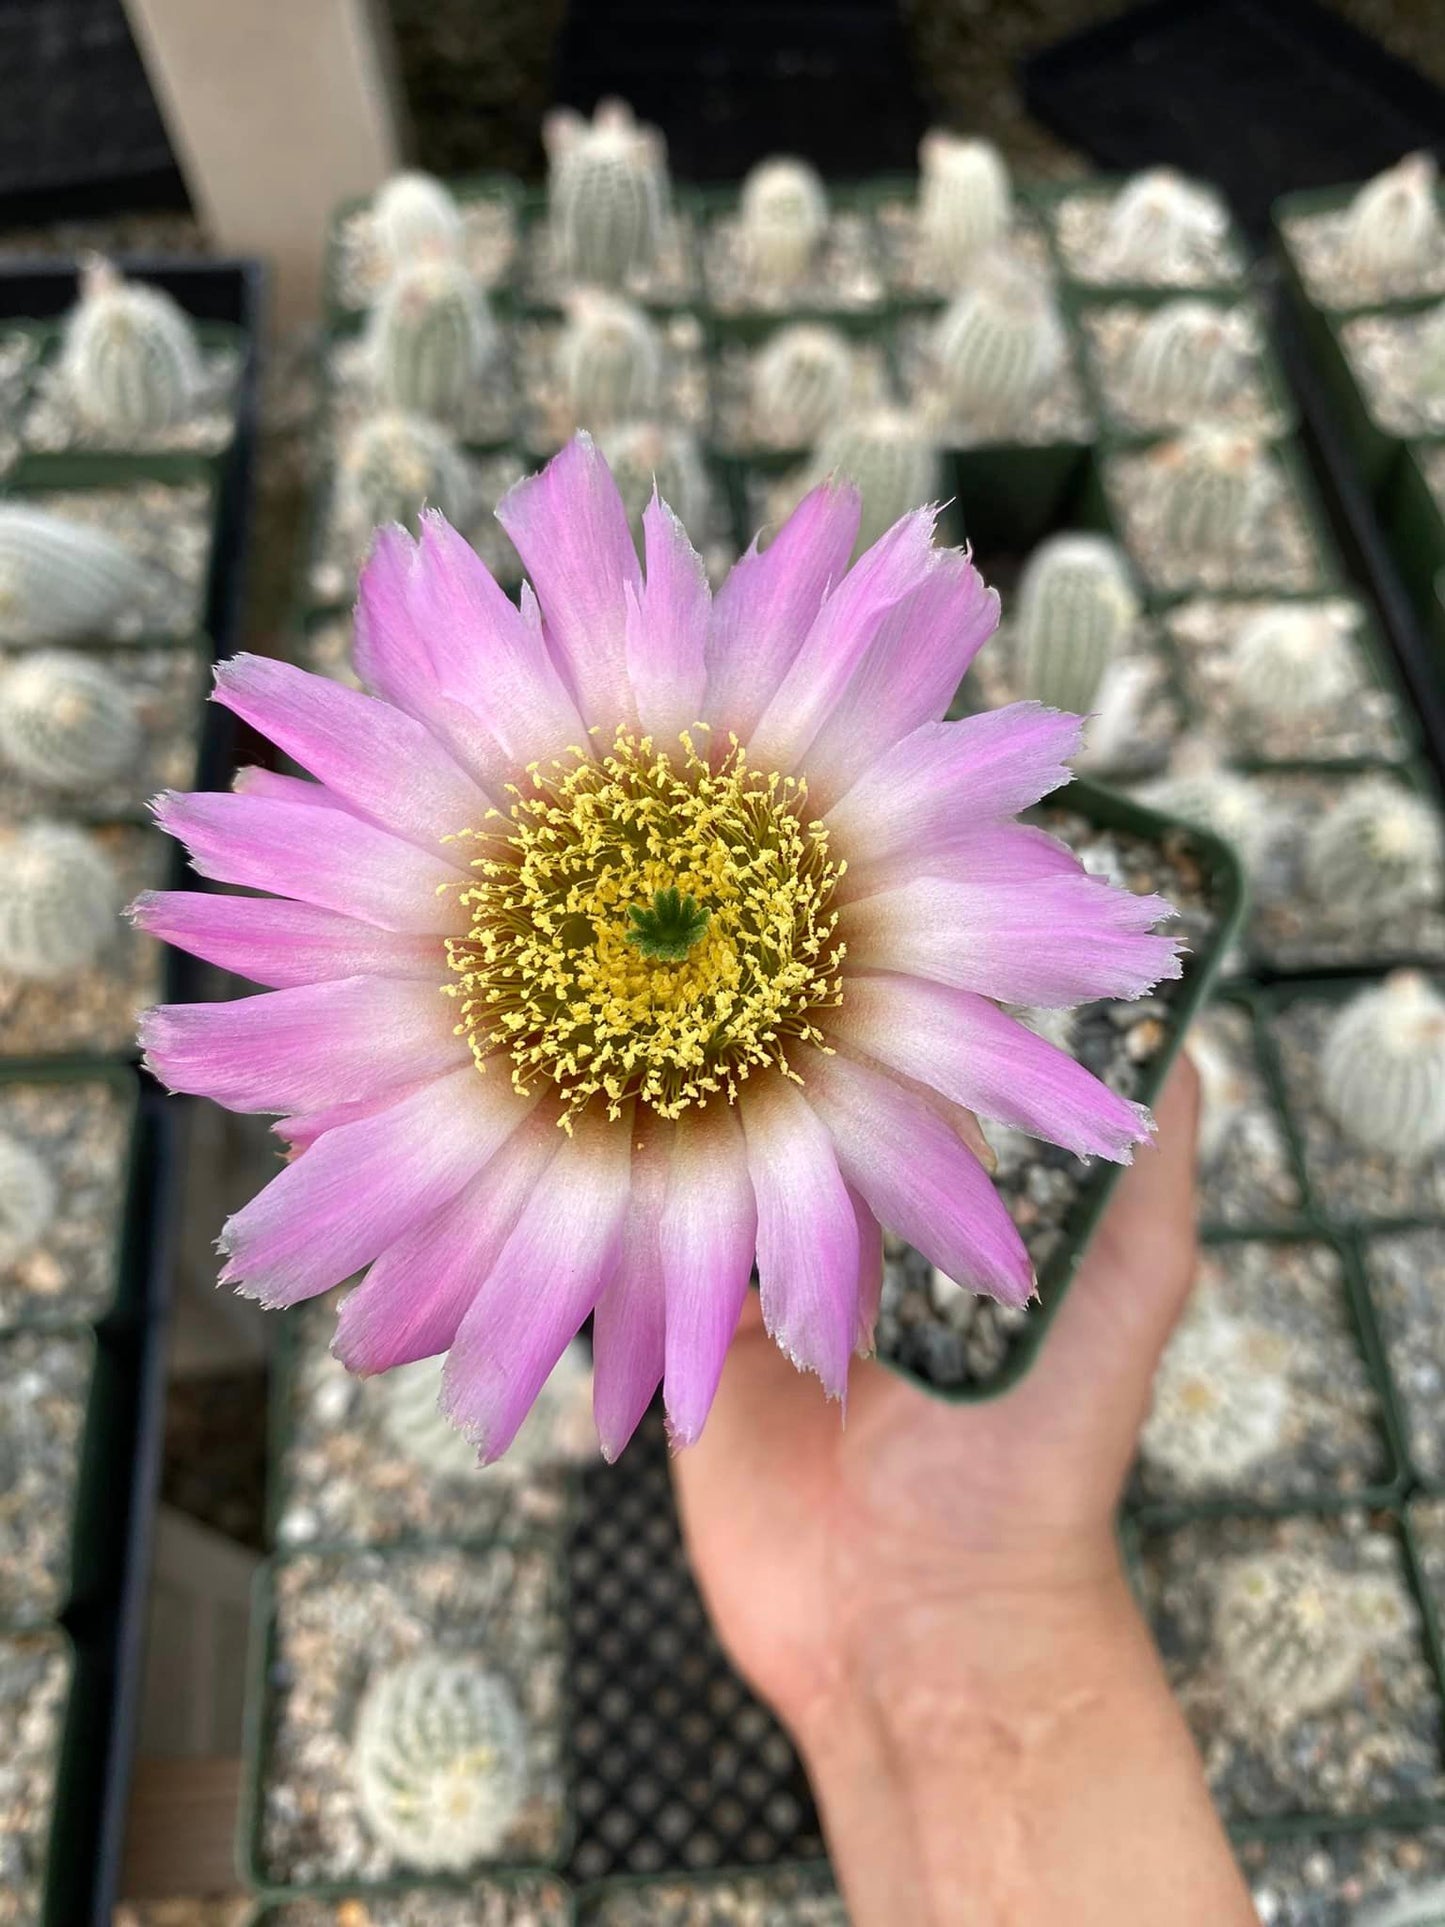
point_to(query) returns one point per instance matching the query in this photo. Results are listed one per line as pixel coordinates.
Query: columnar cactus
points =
(1076, 609)
(1157, 223)
(430, 338)
(1188, 359)
(801, 383)
(609, 360)
(965, 204)
(1294, 659)
(28, 1199)
(607, 193)
(1221, 1398)
(61, 581)
(1211, 485)
(891, 460)
(66, 722)
(644, 455)
(439, 1757)
(130, 359)
(1382, 1069)
(1394, 225)
(60, 902)
(998, 344)
(1378, 852)
(394, 465)
(413, 215)
(783, 219)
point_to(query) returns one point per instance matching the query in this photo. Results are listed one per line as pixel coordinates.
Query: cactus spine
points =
(997, 345)
(414, 215)
(1379, 851)
(643, 454)
(1189, 359)
(61, 581)
(1393, 225)
(1294, 659)
(66, 722)
(1076, 609)
(965, 204)
(801, 382)
(784, 219)
(130, 358)
(890, 460)
(440, 1761)
(607, 193)
(395, 465)
(1210, 485)
(61, 901)
(28, 1199)
(609, 361)
(430, 338)
(1382, 1069)
(1158, 221)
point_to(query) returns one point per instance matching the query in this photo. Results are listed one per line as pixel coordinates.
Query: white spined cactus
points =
(1200, 791)
(1159, 224)
(439, 1758)
(1076, 611)
(60, 903)
(642, 455)
(1382, 1069)
(61, 581)
(801, 382)
(430, 339)
(1294, 659)
(411, 1417)
(393, 465)
(998, 344)
(1377, 853)
(783, 219)
(130, 360)
(1211, 485)
(608, 193)
(609, 360)
(965, 204)
(1188, 360)
(890, 457)
(28, 1199)
(414, 214)
(1221, 1398)
(1393, 228)
(66, 722)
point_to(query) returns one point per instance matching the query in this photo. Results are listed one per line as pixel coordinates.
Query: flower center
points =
(647, 926)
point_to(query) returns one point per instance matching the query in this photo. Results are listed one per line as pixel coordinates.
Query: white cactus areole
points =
(66, 722)
(608, 194)
(28, 1199)
(1393, 228)
(892, 460)
(649, 455)
(1382, 1069)
(130, 358)
(61, 581)
(60, 903)
(609, 360)
(1077, 608)
(1221, 1399)
(1378, 852)
(1188, 361)
(998, 344)
(439, 1757)
(1294, 659)
(965, 204)
(1158, 223)
(430, 338)
(801, 381)
(783, 219)
(394, 464)
(413, 215)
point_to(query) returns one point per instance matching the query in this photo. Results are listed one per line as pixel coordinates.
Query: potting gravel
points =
(1346, 1879)
(783, 1899)
(845, 275)
(531, 1903)
(35, 1675)
(1245, 1174)
(1406, 1275)
(79, 1128)
(45, 1380)
(907, 275)
(1384, 354)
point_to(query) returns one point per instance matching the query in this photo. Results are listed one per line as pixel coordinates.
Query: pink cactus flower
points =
(635, 935)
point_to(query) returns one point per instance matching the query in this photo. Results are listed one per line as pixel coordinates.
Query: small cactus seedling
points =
(1158, 224)
(1393, 227)
(965, 204)
(557, 1430)
(60, 904)
(1077, 608)
(801, 382)
(998, 345)
(1221, 1398)
(607, 193)
(395, 465)
(642, 455)
(1200, 791)
(1377, 853)
(130, 359)
(891, 460)
(66, 722)
(413, 215)
(1382, 1069)
(439, 1758)
(61, 581)
(609, 361)
(1211, 486)
(430, 338)
(1294, 660)
(1188, 360)
(783, 220)
(28, 1199)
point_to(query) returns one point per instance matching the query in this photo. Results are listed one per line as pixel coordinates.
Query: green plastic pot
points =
(1415, 525)
(66, 1841)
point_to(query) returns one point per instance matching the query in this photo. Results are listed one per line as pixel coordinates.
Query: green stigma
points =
(668, 930)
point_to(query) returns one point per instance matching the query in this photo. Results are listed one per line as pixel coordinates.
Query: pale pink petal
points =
(770, 601)
(979, 1057)
(382, 762)
(551, 1272)
(807, 1233)
(667, 624)
(918, 1177)
(332, 860)
(570, 529)
(301, 1130)
(291, 1050)
(709, 1231)
(1058, 941)
(870, 1270)
(364, 1185)
(983, 853)
(272, 941)
(629, 1322)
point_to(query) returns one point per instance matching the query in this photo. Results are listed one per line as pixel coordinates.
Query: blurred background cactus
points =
(28, 1199)
(61, 581)
(61, 900)
(1189, 359)
(1382, 1070)
(66, 722)
(997, 346)
(1157, 222)
(1377, 852)
(1394, 221)
(801, 381)
(608, 194)
(393, 465)
(644, 456)
(430, 337)
(130, 357)
(1294, 659)
(609, 360)
(890, 458)
(965, 204)
(414, 215)
(783, 218)
(1076, 610)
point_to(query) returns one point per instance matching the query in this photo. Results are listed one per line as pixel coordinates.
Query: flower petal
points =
(985, 853)
(770, 601)
(870, 1270)
(667, 625)
(570, 529)
(917, 1176)
(292, 1050)
(981, 1058)
(272, 941)
(709, 1232)
(362, 1186)
(807, 1233)
(1056, 941)
(629, 1323)
(340, 864)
